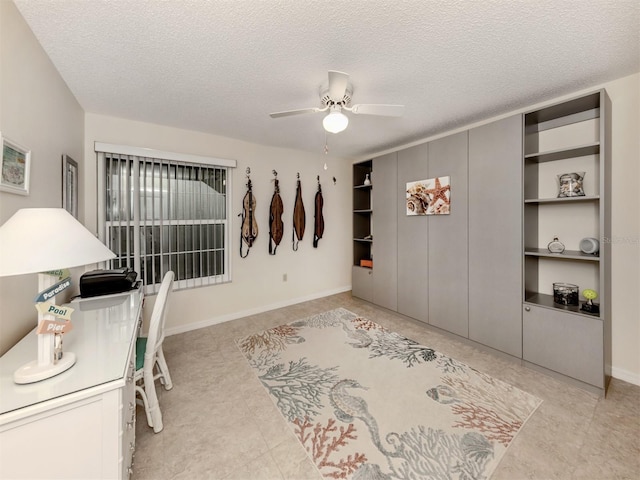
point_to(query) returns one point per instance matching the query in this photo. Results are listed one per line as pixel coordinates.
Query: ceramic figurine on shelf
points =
(367, 180)
(555, 246)
(589, 306)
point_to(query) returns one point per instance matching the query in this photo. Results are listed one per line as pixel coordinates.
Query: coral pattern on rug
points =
(367, 403)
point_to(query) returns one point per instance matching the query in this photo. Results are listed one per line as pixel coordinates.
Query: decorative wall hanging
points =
(318, 224)
(70, 185)
(570, 184)
(249, 228)
(15, 162)
(429, 197)
(275, 217)
(299, 217)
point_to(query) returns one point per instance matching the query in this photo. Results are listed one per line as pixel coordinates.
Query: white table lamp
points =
(38, 240)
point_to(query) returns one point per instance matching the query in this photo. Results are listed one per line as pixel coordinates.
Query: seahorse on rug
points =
(348, 407)
(362, 338)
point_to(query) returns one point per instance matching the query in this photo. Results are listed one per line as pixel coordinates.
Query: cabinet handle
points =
(527, 309)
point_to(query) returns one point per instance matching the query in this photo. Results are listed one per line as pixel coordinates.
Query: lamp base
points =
(32, 372)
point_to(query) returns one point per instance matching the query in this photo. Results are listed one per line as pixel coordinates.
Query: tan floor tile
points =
(221, 424)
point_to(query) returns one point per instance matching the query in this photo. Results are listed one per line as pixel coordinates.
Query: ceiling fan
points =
(336, 97)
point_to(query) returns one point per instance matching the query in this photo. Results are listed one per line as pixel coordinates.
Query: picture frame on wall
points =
(70, 185)
(15, 164)
(429, 197)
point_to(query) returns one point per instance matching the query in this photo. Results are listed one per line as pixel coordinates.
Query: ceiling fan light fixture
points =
(335, 121)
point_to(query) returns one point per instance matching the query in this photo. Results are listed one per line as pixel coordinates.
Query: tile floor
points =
(219, 423)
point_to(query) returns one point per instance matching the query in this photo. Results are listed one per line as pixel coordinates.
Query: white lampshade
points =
(42, 239)
(335, 121)
(36, 240)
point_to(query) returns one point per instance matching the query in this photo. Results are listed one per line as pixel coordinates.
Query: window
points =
(161, 212)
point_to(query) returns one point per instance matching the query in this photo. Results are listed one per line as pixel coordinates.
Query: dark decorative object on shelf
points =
(565, 294)
(570, 185)
(555, 246)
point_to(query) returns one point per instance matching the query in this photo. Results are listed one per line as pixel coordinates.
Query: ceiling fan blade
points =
(337, 84)
(378, 109)
(288, 113)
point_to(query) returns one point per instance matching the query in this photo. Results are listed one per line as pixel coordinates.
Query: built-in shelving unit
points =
(555, 143)
(484, 272)
(362, 211)
(567, 137)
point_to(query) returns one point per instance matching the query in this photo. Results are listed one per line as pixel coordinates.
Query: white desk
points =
(81, 423)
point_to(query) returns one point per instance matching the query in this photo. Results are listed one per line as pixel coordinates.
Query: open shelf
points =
(585, 198)
(565, 113)
(567, 254)
(544, 300)
(562, 153)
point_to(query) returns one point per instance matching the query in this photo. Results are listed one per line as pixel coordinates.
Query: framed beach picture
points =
(15, 162)
(70, 185)
(429, 197)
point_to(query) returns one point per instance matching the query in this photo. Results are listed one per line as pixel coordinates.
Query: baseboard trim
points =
(625, 375)
(253, 311)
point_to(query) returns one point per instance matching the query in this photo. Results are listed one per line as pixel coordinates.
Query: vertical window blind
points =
(160, 214)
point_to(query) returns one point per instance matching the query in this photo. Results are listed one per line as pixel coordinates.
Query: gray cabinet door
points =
(385, 245)
(567, 343)
(448, 261)
(495, 235)
(362, 283)
(413, 278)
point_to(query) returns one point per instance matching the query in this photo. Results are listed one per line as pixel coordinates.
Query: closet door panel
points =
(385, 245)
(413, 280)
(448, 238)
(495, 235)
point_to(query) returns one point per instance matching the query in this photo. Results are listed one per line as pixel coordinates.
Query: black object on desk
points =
(106, 282)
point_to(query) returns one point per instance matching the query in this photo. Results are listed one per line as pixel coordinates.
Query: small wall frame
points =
(70, 185)
(15, 164)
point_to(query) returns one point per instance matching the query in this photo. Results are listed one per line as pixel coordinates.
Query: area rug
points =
(368, 403)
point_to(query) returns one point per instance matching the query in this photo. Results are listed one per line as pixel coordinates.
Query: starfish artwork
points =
(439, 197)
(429, 197)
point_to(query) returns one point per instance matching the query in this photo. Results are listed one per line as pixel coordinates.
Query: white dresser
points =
(79, 424)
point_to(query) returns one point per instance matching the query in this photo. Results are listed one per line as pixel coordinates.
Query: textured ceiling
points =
(222, 66)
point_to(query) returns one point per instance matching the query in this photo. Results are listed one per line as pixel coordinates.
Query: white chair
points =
(149, 355)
